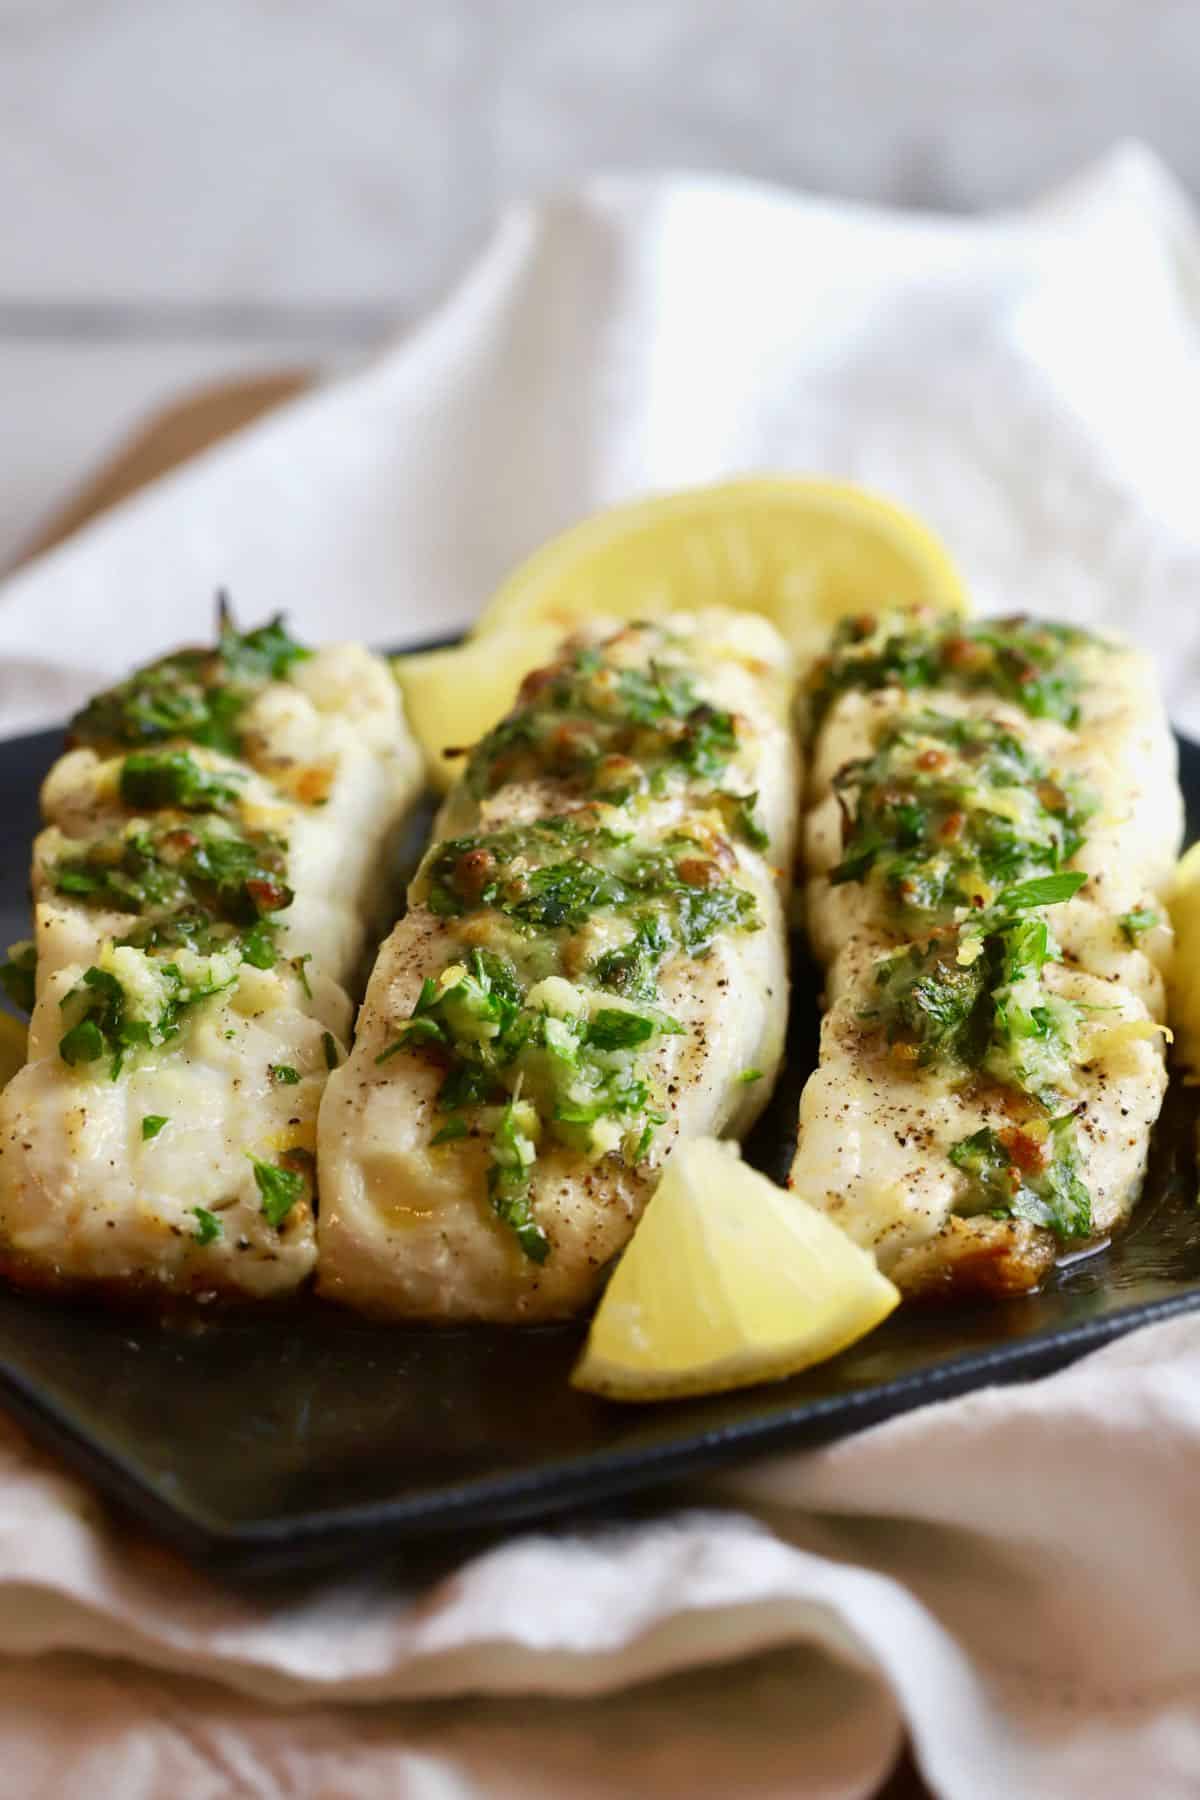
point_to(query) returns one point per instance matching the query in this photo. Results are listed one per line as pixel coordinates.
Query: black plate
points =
(301, 1436)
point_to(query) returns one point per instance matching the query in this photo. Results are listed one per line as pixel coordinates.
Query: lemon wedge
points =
(1184, 1008)
(452, 697)
(14, 1042)
(727, 1281)
(803, 552)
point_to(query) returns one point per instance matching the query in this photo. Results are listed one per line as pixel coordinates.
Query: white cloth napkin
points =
(1013, 1576)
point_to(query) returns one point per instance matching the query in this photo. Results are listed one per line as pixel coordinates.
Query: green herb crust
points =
(198, 695)
(972, 995)
(971, 1000)
(106, 1019)
(1025, 661)
(521, 1062)
(561, 874)
(195, 882)
(1026, 1173)
(549, 1058)
(203, 892)
(615, 733)
(153, 779)
(948, 811)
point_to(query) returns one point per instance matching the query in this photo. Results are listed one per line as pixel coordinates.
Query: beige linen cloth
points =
(1013, 1577)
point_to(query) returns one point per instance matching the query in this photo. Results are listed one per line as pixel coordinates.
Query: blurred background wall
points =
(199, 187)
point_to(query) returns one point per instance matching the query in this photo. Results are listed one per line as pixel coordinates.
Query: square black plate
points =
(302, 1437)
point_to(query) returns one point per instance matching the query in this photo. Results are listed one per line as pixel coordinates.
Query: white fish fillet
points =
(406, 1228)
(874, 1137)
(86, 1197)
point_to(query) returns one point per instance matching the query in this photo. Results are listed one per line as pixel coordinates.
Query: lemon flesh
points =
(1184, 1008)
(14, 1042)
(802, 552)
(727, 1281)
(452, 697)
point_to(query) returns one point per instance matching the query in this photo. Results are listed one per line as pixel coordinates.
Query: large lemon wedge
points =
(727, 1281)
(804, 553)
(14, 1041)
(1185, 968)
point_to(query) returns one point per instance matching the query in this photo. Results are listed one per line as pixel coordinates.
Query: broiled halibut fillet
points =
(993, 817)
(593, 963)
(214, 858)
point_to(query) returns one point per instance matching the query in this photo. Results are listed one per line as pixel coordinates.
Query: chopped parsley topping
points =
(560, 873)
(195, 694)
(107, 1021)
(935, 1010)
(631, 970)
(550, 1060)
(748, 1076)
(1132, 924)
(18, 976)
(615, 731)
(329, 1045)
(1018, 659)
(746, 821)
(208, 1226)
(280, 1189)
(199, 884)
(1026, 1172)
(153, 779)
(203, 895)
(972, 996)
(513, 1156)
(283, 1074)
(546, 1022)
(152, 1124)
(554, 872)
(948, 811)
